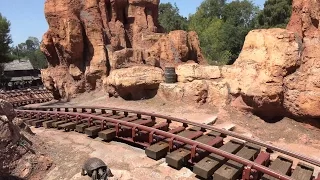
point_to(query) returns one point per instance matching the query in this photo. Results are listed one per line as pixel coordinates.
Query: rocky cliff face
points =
(118, 44)
(88, 39)
(276, 74)
(302, 95)
(256, 79)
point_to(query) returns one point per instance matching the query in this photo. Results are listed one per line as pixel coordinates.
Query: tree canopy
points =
(5, 39)
(276, 13)
(30, 49)
(222, 26)
(170, 19)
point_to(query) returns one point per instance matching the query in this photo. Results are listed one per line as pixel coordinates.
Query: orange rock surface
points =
(119, 45)
(88, 39)
(302, 95)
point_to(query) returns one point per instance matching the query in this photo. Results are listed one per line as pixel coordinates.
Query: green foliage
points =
(276, 13)
(222, 28)
(240, 13)
(170, 19)
(214, 48)
(5, 39)
(239, 18)
(38, 59)
(30, 50)
(212, 8)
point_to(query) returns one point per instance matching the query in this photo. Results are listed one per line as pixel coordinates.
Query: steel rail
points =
(32, 99)
(204, 126)
(210, 149)
(24, 91)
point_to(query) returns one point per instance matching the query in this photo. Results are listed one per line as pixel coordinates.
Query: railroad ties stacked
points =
(24, 97)
(207, 151)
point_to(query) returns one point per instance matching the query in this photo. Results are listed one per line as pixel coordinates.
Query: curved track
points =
(210, 152)
(24, 97)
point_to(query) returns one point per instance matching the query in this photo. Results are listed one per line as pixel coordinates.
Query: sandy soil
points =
(69, 150)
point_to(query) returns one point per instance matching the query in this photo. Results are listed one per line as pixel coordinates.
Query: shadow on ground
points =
(10, 178)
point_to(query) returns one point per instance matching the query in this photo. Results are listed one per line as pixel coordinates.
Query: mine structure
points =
(19, 74)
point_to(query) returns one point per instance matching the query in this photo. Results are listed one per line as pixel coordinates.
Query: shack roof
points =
(19, 64)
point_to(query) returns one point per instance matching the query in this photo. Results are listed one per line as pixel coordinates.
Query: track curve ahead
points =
(210, 152)
(27, 96)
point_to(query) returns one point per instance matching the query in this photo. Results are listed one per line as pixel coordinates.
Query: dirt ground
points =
(69, 150)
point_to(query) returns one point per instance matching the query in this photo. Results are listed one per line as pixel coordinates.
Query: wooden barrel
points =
(170, 75)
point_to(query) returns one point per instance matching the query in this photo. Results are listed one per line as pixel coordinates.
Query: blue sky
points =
(27, 17)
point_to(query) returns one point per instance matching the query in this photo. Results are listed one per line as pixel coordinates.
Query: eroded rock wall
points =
(88, 39)
(274, 76)
(119, 45)
(302, 95)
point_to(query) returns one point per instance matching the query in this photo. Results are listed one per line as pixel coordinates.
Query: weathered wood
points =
(57, 123)
(81, 127)
(48, 124)
(208, 165)
(92, 131)
(107, 134)
(180, 157)
(302, 172)
(68, 126)
(232, 170)
(160, 149)
(282, 165)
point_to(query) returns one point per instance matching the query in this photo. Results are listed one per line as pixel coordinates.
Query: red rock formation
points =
(176, 47)
(87, 39)
(302, 96)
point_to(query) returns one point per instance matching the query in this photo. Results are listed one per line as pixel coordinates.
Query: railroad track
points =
(210, 152)
(25, 97)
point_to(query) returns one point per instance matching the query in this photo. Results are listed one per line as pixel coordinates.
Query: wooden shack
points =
(19, 74)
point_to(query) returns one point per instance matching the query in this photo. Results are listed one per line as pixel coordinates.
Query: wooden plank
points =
(302, 172)
(92, 131)
(110, 133)
(107, 134)
(48, 124)
(180, 157)
(68, 126)
(81, 127)
(160, 149)
(232, 170)
(208, 165)
(281, 164)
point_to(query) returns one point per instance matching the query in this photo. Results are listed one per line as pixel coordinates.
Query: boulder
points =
(193, 71)
(9, 136)
(267, 57)
(61, 83)
(171, 92)
(196, 92)
(7, 110)
(137, 82)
